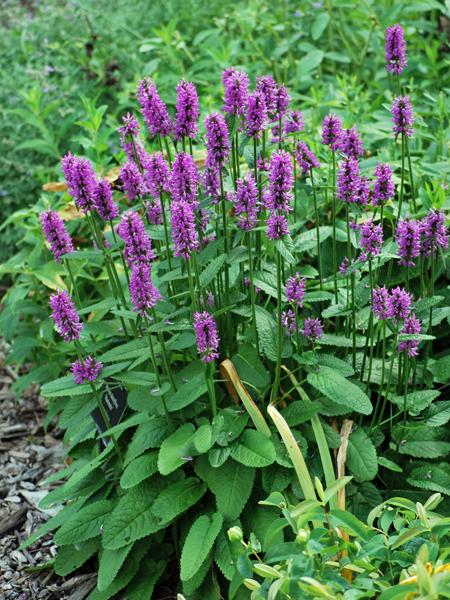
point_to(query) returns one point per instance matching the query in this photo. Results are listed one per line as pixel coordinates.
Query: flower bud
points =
(235, 534)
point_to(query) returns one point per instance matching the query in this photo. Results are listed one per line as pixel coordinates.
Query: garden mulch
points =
(28, 455)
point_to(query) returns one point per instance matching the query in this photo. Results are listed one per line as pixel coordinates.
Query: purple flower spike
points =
(268, 87)
(246, 202)
(312, 329)
(411, 326)
(87, 370)
(348, 182)
(371, 239)
(282, 100)
(332, 132)
(157, 174)
(396, 59)
(217, 138)
(289, 321)
(211, 180)
(143, 292)
(184, 179)
(305, 157)
(65, 316)
(184, 234)
(434, 234)
(153, 109)
(351, 143)
(380, 302)
(132, 180)
(56, 234)
(383, 189)
(186, 119)
(295, 289)
(154, 212)
(81, 181)
(236, 91)
(256, 115)
(104, 203)
(399, 303)
(138, 246)
(294, 123)
(281, 180)
(407, 236)
(402, 116)
(343, 267)
(129, 130)
(277, 226)
(207, 337)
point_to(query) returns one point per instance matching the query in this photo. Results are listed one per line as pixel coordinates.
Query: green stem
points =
(157, 375)
(252, 289)
(402, 180)
(165, 359)
(391, 367)
(383, 370)
(276, 385)
(335, 265)
(226, 266)
(210, 367)
(316, 211)
(411, 179)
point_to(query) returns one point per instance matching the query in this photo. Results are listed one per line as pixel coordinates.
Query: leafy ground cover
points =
(262, 275)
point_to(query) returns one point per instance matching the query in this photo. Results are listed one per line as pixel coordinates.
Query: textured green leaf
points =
(254, 449)
(177, 498)
(71, 557)
(438, 414)
(300, 411)
(188, 392)
(433, 477)
(176, 449)
(148, 435)
(440, 369)
(212, 268)
(329, 339)
(267, 332)
(319, 25)
(329, 360)
(139, 469)
(198, 543)
(110, 562)
(422, 441)
(203, 439)
(142, 586)
(223, 557)
(191, 585)
(86, 524)
(416, 402)
(231, 484)
(133, 517)
(338, 389)
(362, 456)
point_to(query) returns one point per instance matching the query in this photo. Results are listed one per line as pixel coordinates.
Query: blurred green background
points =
(61, 59)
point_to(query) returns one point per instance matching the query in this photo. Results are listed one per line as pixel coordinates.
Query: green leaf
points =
(422, 441)
(188, 392)
(440, 369)
(389, 464)
(198, 543)
(328, 339)
(223, 557)
(329, 360)
(110, 562)
(416, 402)
(147, 577)
(254, 449)
(267, 332)
(71, 557)
(148, 435)
(338, 389)
(176, 449)
(300, 411)
(438, 414)
(433, 477)
(408, 535)
(362, 456)
(139, 469)
(319, 25)
(210, 271)
(86, 524)
(350, 522)
(231, 484)
(177, 498)
(203, 439)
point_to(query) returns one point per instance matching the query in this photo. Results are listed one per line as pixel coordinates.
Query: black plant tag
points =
(114, 400)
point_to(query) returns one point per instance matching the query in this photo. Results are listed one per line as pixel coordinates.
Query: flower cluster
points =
(402, 116)
(86, 370)
(132, 181)
(235, 85)
(184, 233)
(64, 314)
(312, 329)
(433, 232)
(256, 114)
(81, 181)
(332, 132)
(278, 200)
(56, 234)
(143, 292)
(289, 321)
(383, 189)
(246, 202)
(157, 174)
(407, 236)
(206, 335)
(186, 119)
(154, 110)
(371, 239)
(104, 203)
(295, 289)
(351, 143)
(184, 179)
(411, 326)
(138, 246)
(394, 304)
(396, 59)
(217, 139)
(305, 157)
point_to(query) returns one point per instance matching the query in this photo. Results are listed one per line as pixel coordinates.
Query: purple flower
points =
(217, 138)
(312, 329)
(289, 321)
(207, 337)
(186, 119)
(383, 189)
(332, 131)
(433, 233)
(351, 143)
(295, 289)
(153, 109)
(407, 236)
(411, 326)
(281, 180)
(380, 302)
(277, 226)
(236, 91)
(262, 164)
(255, 115)
(294, 122)
(402, 116)
(211, 180)
(399, 303)
(143, 292)
(371, 239)
(246, 202)
(184, 234)
(305, 157)
(104, 203)
(282, 100)
(87, 370)
(67, 321)
(348, 182)
(81, 180)
(156, 174)
(362, 192)
(132, 180)
(154, 212)
(184, 179)
(268, 87)
(396, 59)
(138, 246)
(56, 234)
(129, 131)
(343, 267)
